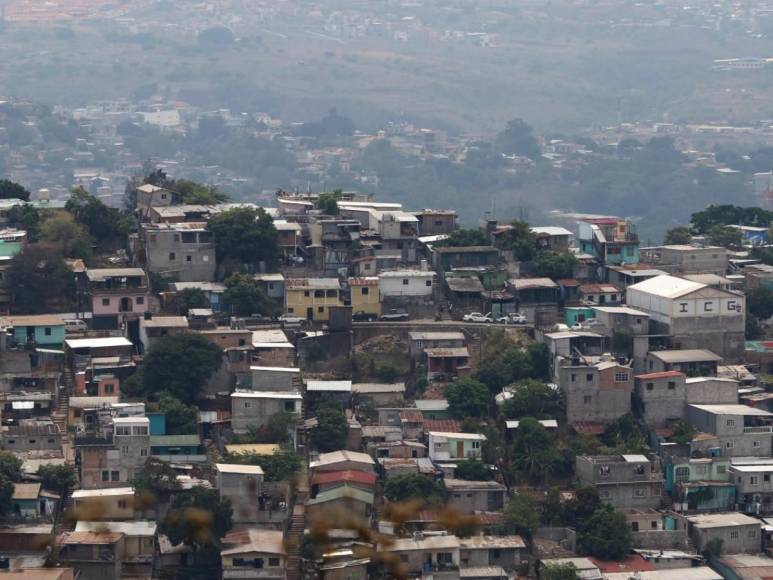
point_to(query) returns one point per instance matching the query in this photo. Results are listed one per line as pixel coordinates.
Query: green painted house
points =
(178, 448)
(36, 329)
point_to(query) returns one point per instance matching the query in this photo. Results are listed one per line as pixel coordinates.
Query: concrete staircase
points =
(59, 416)
(294, 538)
(474, 345)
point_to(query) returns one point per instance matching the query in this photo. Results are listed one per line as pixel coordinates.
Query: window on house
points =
(47, 331)
(125, 449)
(757, 444)
(681, 474)
(731, 422)
(587, 399)
(734, 535)
(189, 258)
(573, 377)
(604, 494)
(109, 388)
(621, 377)
(140, 300)
(671, 385)
(721, 469)
(428, 283)
(766, 478)
(604, 471)
(105, 476)
(290, 406)
(319, 293)
(405, 281)
(106, 302)
(707, 306)
(115, 476)
(754, 480)
(476, 444)
(634, 526)
(273, 562)
(683, 307)
(121, 504)
(654, 524)
(639, 492)
(650, 386)
(144, 452)
(172, 256)
(320, 309)
(729, 444)
(364, 290)
(589, 377)
(247, 404)
(306, 293)
(752, 533)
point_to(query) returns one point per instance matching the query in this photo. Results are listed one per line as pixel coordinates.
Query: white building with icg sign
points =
(697, 316)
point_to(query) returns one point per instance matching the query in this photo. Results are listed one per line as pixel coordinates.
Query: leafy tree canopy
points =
(190, 192)
(10, 466)
(522, 515)
(725, 236)
(181, 419)
(244, 297)
(105, 224)
(532, 398)
(473, 470)
(62, 230)
(467, 397)
(759, 302)
(331, 431)
(26, 217)
(282, 466)
(558, 572)
(328, 201)
(40, 281)
(464, 237)
(682, 432)
(605, 535)
(520, 240)
(245, 235)
(12, 190)
(555, 265)
(678, 236)
(180, 365)
(57, 477)
(157, 478)
(410, 486)
(518, 139)
(723, 215)
(198, 517)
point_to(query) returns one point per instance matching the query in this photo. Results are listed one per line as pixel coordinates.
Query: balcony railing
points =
(759, 429)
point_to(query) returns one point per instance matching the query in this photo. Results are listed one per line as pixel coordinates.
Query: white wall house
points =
(406, 283)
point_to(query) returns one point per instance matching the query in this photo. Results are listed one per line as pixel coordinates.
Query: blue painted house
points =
(178, 448)
(37, 329)
(157, 423)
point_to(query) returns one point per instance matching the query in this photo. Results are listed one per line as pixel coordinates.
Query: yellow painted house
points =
(311, 298)
(365, 295)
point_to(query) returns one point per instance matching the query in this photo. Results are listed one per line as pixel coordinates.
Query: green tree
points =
(104, 224)
(522, 515)
(582, 506)
(12, 190)
(246, 236)
(181, 419)
(57, 477)
(190, 192)
(558, 572)
(62, 229)
(10, 466)
(605, 535)
(518, 139)
(713, 549)
(243, 296)
(282, 466)
(682, 432)
(180, 365)
(624, 435)
(532, 398)
(276, 429)
(552, 508)
(6, 494)
(467, 398)
(539, 359)
(26, 217)
(759, 303)
(156, 478)
(473, 470)
(331, 431)
(198, 518)
(191, 298)
(463, 238)
(535, 452)
(678, 236)
(724, 236)
(408, 486)
(555, 265)
(40, 281)
(520, 240)
(388, 372)
(328, 201)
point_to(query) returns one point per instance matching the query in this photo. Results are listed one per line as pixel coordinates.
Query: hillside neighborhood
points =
(334, 387)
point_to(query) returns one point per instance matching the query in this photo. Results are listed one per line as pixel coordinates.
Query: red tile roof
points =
(588, 428)
(322, 478)
(660, 375)
(443, 425)
(633, 563)
(411, 416)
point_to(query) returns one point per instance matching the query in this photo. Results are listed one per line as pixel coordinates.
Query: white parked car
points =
(477, 317)
(512, 318)
(291, 319)
(75, 326)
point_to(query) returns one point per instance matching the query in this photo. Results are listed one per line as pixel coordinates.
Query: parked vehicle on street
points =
(477, 317)
(512, 318)
(75, 326)
(395, 315)
(361, 316)
(291, 319)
